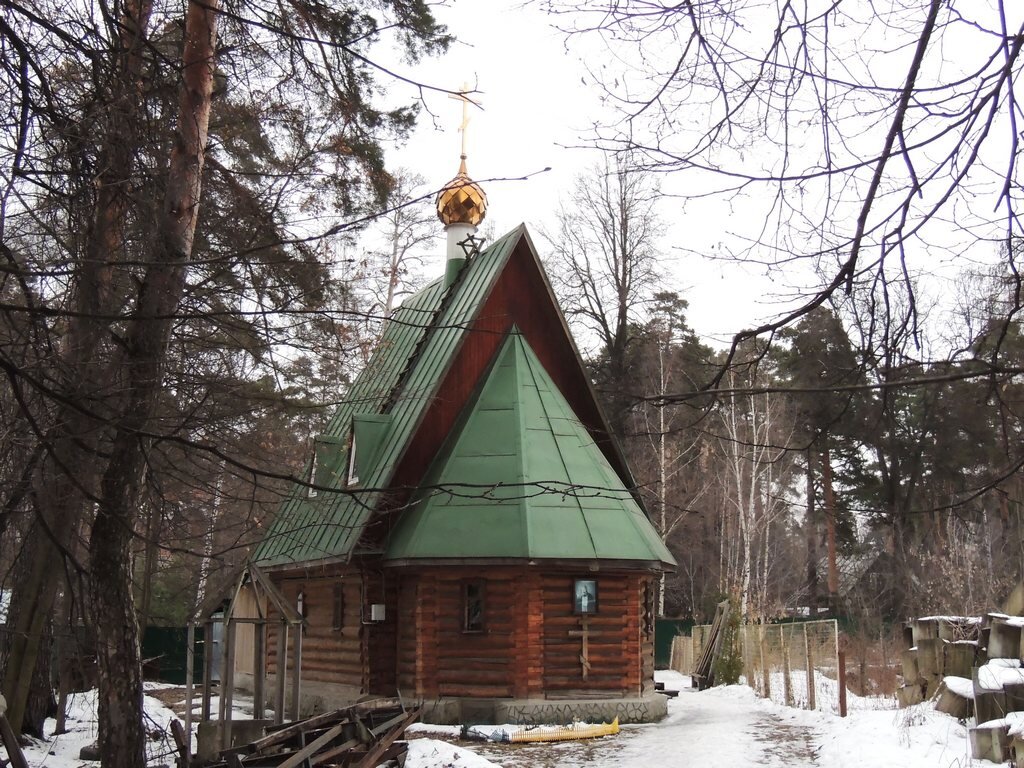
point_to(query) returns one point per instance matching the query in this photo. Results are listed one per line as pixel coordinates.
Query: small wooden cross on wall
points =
(585, 634)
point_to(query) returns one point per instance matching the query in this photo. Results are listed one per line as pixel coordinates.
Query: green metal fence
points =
(163, 653)
(664, 632)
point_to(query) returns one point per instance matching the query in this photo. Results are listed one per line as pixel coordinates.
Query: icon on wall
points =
(584, 596)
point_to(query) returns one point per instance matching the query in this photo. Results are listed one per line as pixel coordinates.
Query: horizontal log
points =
(592, 683)
(476, 677)
(484, 691)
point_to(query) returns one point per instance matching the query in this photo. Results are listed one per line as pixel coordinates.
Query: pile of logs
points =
(360, 736)
(971, 667)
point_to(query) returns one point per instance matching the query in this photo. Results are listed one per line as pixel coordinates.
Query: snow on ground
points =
(431, 753)
(62, 751)
(730, 726)
(721, 727)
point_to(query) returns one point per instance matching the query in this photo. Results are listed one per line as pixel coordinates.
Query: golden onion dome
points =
(461, 200)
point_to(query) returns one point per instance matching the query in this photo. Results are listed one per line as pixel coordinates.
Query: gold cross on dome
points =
(466, 101)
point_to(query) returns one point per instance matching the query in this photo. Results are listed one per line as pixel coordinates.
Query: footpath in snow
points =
(729, 726)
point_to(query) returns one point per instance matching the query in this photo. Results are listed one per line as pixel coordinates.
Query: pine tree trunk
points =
(121, 733)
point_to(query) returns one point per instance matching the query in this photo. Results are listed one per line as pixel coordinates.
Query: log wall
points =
(526, 649)
(379, 639)
(530, 646)
(614, 642)
(328, 655)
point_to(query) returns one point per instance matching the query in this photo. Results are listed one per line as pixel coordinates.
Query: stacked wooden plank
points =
(360, 736)
(704, 667)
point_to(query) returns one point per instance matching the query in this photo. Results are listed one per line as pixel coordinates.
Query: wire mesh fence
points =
(792, 664)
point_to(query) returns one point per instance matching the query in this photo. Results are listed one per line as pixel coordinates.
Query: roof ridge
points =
(428, 331)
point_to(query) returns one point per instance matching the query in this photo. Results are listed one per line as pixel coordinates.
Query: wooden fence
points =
(793, 664)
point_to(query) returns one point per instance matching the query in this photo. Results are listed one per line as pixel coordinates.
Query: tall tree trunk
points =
(121, 734)
(811, 531)
(211, 528)
(662, 470)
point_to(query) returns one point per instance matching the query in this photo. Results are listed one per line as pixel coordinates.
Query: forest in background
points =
(183, 298)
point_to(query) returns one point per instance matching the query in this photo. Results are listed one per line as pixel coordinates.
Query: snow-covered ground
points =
(730, 726)
(725, 726)
(62, 751)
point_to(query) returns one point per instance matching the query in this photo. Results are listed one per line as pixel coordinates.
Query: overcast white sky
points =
(537, 110)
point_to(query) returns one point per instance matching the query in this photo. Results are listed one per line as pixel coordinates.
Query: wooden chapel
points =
(469, 536)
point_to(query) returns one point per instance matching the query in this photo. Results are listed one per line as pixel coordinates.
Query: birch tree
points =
(604, 250)
(756, 472)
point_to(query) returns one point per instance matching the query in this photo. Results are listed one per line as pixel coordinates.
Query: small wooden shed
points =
(470, 535)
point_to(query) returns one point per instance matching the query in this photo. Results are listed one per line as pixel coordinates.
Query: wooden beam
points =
(312, 723)
(183, 742)
(227, 681)
(259, 670)
(328, 754)
(373, 756)
(190, 670)
(207, 668)
(14, 754)
(310, 749)
(337, 717)
(297, 673)
(286, 609)
(282, 671)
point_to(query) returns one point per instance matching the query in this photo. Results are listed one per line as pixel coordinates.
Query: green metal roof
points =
(414, 352)
(384, 408)
(521, 477)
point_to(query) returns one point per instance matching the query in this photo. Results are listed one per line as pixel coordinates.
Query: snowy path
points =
(710, 729)
(720, 728)
(730, 727)
(707, 729)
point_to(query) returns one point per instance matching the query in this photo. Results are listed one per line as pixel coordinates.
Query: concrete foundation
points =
(323, 697)
(452, 711)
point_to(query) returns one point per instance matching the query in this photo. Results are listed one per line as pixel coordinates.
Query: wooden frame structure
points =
(287, 619)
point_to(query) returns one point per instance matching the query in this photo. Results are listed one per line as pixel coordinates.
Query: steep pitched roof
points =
(406, 367)
(391, 398)
(522, 478)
